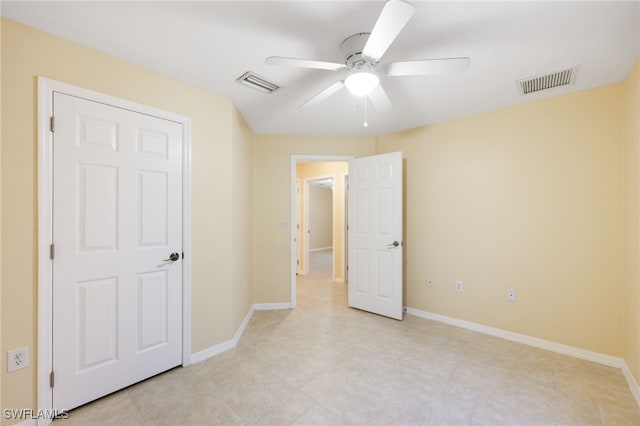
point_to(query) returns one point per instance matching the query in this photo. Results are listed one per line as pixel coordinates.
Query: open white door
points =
(375, 234)
(117, 263)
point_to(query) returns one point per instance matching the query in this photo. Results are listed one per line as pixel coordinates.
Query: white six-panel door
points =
(375, 234)
(117, 215)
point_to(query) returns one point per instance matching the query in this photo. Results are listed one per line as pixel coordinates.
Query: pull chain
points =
(365, 112)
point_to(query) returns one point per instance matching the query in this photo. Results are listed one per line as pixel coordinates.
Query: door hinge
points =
(52, 251)
(51, 379)
(183, 255)
(52, 124)
(298, 262)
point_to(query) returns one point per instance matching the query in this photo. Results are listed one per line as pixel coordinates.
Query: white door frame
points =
(293, 216)
(46, 89)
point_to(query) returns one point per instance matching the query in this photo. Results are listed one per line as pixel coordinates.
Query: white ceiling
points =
(211, 43)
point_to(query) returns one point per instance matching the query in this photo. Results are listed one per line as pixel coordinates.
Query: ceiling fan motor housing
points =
(352, 48)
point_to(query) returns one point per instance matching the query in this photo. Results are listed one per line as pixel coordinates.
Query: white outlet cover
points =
(17, 359)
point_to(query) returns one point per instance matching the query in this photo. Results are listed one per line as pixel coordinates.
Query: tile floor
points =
(326, 364)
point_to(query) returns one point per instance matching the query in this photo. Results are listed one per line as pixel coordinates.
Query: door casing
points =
(46, 88)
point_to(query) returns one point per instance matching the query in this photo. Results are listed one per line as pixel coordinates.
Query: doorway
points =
(320, 218)
(311, 174)
(316, 217)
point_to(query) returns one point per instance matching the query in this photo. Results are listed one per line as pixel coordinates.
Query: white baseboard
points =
(599, 358)
(224, 346)
(271, 306)
(631, 380)
(321, 249)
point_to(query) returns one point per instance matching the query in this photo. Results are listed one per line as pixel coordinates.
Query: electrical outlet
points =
(511, 295)
(429, 283)
(17, 359)
(459, 286)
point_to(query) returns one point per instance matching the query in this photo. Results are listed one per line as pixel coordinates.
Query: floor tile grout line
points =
(135, 405)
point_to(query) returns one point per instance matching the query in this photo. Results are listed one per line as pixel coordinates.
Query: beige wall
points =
(530, 198)
(320, 217)
(632, 209)
(28, 53)
(272, 193)
(337, 170)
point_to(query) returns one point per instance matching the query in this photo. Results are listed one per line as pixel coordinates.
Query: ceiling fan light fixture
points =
(361, 83)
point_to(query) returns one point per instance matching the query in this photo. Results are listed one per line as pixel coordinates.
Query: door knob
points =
(173, 257)
(393, 244)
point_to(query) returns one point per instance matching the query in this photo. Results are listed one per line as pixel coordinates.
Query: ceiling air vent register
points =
(547, 81)
(257, 82)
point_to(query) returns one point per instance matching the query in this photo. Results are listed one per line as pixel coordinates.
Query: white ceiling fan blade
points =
(303, 63)
(380, 100)
(427, 67)
(323, 95)
(394, 16)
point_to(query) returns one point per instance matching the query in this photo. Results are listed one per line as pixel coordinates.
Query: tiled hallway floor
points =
(326, 364)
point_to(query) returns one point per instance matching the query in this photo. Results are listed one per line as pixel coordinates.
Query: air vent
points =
(547, 81)
(257, 82)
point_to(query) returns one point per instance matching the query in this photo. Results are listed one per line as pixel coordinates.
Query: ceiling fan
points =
(363, 52)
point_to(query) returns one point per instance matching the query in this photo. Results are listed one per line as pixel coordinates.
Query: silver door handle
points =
(393, 245)
(172, 257)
